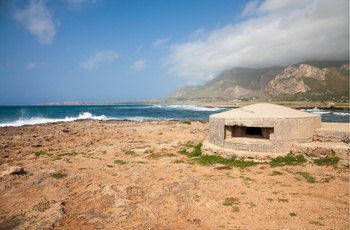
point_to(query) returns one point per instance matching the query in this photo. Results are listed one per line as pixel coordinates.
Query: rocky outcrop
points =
(290, 81)
(311, 79)
(345, 66)
(13, 171)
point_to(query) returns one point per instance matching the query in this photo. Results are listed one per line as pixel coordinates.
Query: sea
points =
(32, 115)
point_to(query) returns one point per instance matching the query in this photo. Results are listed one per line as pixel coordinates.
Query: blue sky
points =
(121, 50)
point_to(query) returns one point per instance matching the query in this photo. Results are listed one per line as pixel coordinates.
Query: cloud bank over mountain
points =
(269, 33)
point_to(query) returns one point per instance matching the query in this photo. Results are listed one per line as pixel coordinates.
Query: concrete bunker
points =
(264, 128)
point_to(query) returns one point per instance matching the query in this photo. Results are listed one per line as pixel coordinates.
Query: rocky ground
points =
(129, 175)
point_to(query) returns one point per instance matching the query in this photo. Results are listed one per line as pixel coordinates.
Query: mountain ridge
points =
(323, 80)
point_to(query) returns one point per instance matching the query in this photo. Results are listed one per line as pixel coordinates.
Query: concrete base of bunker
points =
(211, 149)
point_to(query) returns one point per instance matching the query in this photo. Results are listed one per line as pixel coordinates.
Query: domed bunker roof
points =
(263, 110)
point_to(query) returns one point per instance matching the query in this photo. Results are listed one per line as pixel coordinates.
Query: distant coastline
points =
(213, 104)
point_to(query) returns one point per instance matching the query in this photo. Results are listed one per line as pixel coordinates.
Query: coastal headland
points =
(91, 174)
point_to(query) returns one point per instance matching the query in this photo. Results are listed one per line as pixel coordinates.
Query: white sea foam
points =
(189, 107)
(138, 118)
(42, 120)
(316, 111)
(87, 115)
(341, 113)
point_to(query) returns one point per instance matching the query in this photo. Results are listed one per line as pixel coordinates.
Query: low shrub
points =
(214, 159)
(333, 160)
(290, 159)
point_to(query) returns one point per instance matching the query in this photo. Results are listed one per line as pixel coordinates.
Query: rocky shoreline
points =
(92, 174)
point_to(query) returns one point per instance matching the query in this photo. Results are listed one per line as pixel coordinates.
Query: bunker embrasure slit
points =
(253, 131)
(248, 132)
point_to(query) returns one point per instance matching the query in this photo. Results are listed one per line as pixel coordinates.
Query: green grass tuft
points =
(235, 209)
(333, 160)
(160, 155)
(243, 163)
(214, 159)
(282, 200)
(316, 223)
(290, 159)
(40, 153)
(229, 201)
(129, 152)
(68, 154)
(59, 175)
(276, 173)
(225, 167)
(178, 161)
(307, 177)
(120, 162)
(195, 153)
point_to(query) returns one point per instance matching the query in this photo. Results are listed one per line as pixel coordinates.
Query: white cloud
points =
(78, 4)
(276, 33)
(38, 20)
(250, 8)
(139, 48)
(138, 65)
(160, 41)
(99, 58)
(34, 64)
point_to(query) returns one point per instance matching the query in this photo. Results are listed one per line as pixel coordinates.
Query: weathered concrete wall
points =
(286, 132)
(216, 131)
(284, 129)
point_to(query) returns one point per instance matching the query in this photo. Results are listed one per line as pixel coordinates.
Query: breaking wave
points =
(317, 111)
(341, 114)
(42, 120)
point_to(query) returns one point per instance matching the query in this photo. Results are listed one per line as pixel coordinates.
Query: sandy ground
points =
(129, 175)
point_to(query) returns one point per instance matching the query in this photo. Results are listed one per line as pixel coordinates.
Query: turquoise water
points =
(30, 115)
(27, 115)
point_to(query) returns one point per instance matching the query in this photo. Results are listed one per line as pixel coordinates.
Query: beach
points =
(119, 174)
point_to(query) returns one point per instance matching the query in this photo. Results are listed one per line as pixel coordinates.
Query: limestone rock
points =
(290, 81)
(15, 170)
